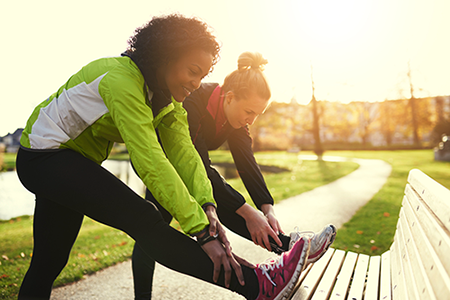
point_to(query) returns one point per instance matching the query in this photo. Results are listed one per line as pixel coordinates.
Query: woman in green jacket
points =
(126, 99)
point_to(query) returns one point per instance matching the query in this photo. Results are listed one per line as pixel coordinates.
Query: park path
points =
(333, 203)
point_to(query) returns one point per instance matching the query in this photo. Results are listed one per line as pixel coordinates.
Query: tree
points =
(338, 122)
(367, 113)
(391, 119)
(318, 148)
(442, 126)
(413, 109)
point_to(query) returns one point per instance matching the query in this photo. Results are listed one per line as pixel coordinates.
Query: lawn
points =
(99, 246)
(369, 231)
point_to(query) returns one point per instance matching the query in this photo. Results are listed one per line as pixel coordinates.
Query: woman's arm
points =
(125, 98)
(240, 144)
(200, 123)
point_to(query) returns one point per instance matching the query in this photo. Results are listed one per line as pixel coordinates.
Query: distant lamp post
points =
(442, 151)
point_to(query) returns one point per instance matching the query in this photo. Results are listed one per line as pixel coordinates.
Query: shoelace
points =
(299, 234)
(270, 266)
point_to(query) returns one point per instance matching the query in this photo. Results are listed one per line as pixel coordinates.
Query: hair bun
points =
(251, 60)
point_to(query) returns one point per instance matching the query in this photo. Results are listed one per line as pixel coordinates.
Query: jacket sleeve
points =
(126, 100)
(240, 144)
(177, 144)
(224, 195)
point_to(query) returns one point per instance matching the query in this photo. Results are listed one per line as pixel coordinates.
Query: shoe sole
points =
(325, 249)
(288, 290)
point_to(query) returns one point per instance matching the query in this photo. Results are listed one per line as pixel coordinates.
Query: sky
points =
(355, 50)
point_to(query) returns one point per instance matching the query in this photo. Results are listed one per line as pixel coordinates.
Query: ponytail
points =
(249, 77)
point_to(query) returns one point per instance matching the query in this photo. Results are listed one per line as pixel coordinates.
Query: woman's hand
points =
(260, 226)
(269, 213)
(215, 227)
(219, 257)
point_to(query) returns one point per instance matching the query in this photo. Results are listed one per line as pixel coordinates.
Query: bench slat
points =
(434, 269)
(436, 234)
(341, 288)
(359, 278)
(311, 280)
(373, 278)
(385, 279)
(406, 256)
(398, 278)
(327, 282)
(424, 287)
(436, 196)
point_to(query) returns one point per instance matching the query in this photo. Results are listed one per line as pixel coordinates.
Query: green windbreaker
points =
(107, 101)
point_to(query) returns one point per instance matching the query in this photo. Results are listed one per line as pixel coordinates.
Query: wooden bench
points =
(417, 266)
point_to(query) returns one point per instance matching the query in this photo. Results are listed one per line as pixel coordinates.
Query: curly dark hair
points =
(165, 38)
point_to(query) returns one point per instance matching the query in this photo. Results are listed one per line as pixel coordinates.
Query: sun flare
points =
(331, 21)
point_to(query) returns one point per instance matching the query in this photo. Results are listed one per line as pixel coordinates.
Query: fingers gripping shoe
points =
(320, 241)
(278, 277)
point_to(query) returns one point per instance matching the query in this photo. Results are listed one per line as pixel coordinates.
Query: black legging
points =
(144, 266)
(68, 186)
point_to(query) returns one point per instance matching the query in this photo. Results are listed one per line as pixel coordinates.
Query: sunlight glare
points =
(331, 21)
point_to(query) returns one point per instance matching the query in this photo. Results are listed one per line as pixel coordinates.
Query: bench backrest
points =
(420, 253)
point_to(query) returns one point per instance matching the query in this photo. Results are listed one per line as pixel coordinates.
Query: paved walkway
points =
(333, 203)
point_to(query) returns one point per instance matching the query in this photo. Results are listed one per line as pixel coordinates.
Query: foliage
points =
(441, 128)
(287, 125)
(9, 161)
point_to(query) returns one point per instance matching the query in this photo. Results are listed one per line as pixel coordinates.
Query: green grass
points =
(9, 161)
(99, 246)
(371, 230)
(304, 175)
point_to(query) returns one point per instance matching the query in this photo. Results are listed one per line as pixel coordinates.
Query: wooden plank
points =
(302, 277)
(385, 278)
(373, 278)
(410, 279)
(311, 280)
(398, 274)
(359, 278)
(435, 231)
(422, 283)
(342, 285)
(434, 268)
(329, 278)
(434, 194)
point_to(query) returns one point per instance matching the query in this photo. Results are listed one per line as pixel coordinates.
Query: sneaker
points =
(278, 277)
(320, 241)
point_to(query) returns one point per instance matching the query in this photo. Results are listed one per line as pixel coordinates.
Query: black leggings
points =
(144, 266)
(68, 186)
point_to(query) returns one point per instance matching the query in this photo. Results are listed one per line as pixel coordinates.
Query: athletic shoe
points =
(278, 277)
(320, 241)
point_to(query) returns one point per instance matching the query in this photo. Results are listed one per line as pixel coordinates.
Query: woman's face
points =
(240, 112)
(185, 74)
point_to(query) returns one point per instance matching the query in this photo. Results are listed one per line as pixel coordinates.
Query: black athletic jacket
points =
(204, 107)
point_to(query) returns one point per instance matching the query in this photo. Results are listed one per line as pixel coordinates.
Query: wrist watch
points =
(206, 237)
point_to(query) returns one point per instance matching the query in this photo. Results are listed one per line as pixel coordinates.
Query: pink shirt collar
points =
(215, 108)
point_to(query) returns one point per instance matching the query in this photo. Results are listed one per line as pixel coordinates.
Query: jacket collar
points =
(215, 108)
(161, 97)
